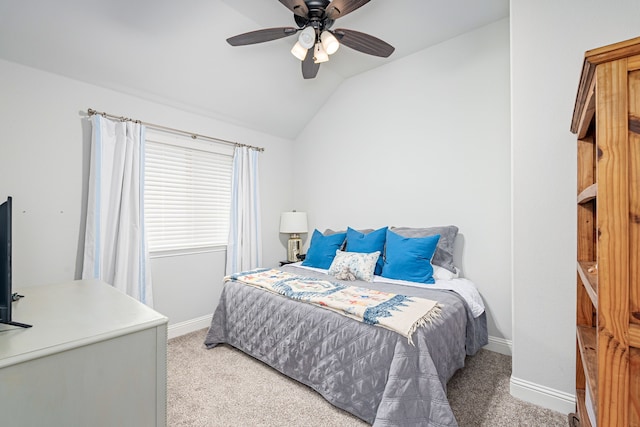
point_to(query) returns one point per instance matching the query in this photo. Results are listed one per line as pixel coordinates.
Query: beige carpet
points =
(224, 387)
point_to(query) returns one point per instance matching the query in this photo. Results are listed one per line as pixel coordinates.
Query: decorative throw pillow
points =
(356, 264)
(367, 242)
(322, 249)
(409, 258)
(444, 252)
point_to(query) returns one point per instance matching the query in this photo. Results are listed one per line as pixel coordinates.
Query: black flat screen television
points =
(6, 293)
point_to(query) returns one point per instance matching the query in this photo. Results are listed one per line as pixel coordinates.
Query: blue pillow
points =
(367, 243)
(409, 258)
(323, 249)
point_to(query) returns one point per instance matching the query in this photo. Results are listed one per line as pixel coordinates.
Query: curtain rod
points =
(92, 112)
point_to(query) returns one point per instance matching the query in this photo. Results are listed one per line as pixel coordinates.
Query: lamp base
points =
(294, 248)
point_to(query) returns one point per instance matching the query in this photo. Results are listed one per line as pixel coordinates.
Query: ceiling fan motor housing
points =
(316, 16)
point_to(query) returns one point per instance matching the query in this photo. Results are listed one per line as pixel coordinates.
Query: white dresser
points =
(94, 357)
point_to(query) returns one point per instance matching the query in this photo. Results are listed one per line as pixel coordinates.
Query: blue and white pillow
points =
(360, 265)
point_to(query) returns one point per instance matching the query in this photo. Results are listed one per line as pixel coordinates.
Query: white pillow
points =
(354, 264)
(440, 273)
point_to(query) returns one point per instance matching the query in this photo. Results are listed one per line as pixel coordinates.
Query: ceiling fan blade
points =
(298, 7)
(260, 36)
(309, 67)
(339, 8)
(363, 42)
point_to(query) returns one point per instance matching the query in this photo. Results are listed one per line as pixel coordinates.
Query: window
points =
(187, 192)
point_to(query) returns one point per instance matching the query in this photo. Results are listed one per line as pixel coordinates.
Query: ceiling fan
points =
(316, 40)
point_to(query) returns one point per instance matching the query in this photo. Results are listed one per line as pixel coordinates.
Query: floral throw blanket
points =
(398, 313)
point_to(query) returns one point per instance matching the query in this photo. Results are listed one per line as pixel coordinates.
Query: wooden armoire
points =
(606, 120)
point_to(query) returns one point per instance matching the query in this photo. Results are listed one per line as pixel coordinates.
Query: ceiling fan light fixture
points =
(319, 54)
(315, 39)
(298, 51)
(329, 42)
(307, 37)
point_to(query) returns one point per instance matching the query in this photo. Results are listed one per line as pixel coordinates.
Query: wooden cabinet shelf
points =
(606, 120)
(587, 344)
(588, 194)
(589, 276)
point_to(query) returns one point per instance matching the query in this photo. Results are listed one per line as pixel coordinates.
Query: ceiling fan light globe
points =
(298, 51)
(307, 37)
(319, 54)
(329, 42)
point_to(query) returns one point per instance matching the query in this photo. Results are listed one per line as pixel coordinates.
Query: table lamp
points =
(293, 223)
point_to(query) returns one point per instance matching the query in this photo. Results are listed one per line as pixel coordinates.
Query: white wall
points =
(422, 141)
(548, 41)
(44, 149)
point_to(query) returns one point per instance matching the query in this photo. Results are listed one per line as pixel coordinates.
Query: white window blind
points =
(187, 193)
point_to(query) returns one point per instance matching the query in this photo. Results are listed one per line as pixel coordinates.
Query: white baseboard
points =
(499, 345)
(542, 396)
(531, 392)
(188, 326)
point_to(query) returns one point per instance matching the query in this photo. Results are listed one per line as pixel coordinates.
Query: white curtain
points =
(244, 249)
(115, 249)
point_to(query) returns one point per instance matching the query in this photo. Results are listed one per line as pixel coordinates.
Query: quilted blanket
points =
(369, 371)
(396, 312)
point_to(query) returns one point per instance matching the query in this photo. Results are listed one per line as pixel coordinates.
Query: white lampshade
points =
(307, 37)
(319, 54)
(329, 42)
(298, 51)
(293, 222)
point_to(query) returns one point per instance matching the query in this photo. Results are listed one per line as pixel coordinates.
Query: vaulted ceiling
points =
(174, 52)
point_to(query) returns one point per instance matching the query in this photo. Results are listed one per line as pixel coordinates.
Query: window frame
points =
(188, 143)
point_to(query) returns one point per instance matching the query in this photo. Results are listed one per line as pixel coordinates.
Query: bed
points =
(375, 373)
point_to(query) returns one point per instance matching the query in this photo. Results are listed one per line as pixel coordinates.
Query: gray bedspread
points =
(369, 371)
